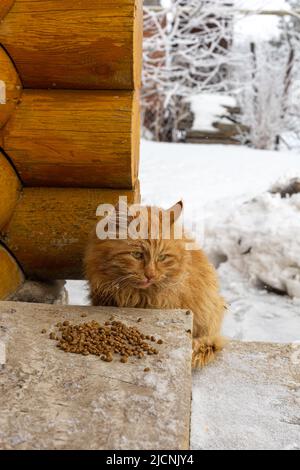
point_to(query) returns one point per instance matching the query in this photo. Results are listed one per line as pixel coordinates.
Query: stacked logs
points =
(69, 128)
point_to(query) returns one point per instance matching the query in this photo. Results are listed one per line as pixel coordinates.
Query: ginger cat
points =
(159, 273)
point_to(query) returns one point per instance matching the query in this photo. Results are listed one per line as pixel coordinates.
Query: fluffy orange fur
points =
(162, 274)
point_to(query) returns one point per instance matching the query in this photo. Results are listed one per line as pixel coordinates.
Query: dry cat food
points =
(104, 340)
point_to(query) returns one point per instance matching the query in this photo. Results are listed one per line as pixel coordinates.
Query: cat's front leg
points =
(205, 349)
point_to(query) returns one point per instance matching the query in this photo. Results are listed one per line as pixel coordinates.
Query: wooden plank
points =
(10, 188)
(68, 401)
(135, 137)
(138, 39)
(5, 6)
(50, 227)
(231, 130)
(10, 87)
(75, 138)
(11, 276)
(75, 44)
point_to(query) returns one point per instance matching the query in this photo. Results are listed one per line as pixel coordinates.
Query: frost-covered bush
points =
(186, 49)
(267, 84)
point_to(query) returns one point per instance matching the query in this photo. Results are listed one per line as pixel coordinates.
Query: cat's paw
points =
(205, 350)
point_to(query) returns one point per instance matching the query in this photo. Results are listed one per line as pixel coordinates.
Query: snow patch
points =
(261, 239)
(209, 108)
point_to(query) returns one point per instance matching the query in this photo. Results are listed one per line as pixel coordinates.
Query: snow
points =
(256, 315)
(262, 4)
(209, 108)
(258, 27)
(261, 239)
(249, 400)
(77, 292)
(207, 176)
(215, 182)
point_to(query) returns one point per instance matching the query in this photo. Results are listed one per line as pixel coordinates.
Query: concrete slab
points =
(54, 400)
(248, 399)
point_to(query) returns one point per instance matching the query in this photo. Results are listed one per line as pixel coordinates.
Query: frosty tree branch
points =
(190, 48)
(186, 50)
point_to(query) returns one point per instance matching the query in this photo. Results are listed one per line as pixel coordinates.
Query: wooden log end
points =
(10, 87)
(10, 188)
(5, 6)
(11, 276)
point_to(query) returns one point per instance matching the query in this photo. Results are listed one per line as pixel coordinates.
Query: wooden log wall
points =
(50, 227)
(90, 136)
(74, 44)
(70, 73)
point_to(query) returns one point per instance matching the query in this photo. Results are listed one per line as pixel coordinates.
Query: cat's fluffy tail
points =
(205, 349)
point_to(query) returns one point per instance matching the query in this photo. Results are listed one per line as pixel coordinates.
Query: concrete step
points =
(54, 400)
(248, 399)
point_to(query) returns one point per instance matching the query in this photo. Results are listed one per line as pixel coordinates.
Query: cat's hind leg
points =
(205, 349)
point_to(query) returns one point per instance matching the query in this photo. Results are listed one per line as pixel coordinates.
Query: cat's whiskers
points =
(114, 283)
(172, 284)
(108, 289)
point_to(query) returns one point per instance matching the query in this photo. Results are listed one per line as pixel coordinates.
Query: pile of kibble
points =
(104, 340)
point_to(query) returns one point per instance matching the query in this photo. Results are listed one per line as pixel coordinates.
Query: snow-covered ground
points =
(251, 242)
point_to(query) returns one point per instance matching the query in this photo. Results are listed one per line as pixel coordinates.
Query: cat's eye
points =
(137, 255)
(162, 257)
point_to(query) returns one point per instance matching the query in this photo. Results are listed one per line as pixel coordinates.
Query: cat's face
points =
(144, 264)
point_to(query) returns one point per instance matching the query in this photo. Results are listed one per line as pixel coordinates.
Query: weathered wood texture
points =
(75, 44)
(5, 6)
(10, 188)
(71, 131)
(75, 138)
(11, 276)
(10, 87)
(53, 400)
(50, 227)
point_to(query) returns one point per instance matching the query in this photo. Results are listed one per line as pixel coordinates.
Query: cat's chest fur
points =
(148, 299)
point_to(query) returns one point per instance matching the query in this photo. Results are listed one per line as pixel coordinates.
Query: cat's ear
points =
(121, 213)
(175, 211)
